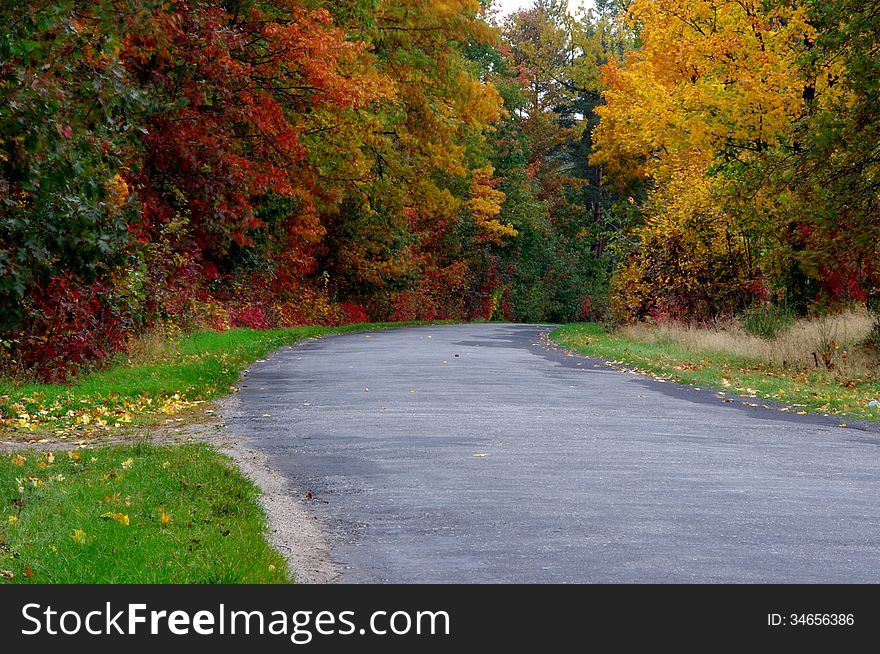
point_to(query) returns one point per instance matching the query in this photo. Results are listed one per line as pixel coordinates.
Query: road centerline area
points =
(471, 453)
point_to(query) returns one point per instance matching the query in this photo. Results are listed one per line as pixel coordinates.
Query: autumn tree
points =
(722, 86)
(66, 113)
(402, 239)
(558, 270)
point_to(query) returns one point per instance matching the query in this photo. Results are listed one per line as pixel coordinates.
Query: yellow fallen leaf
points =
(127, 464)
(480, 454)
(164, 518)
(13, 519)
(18, 460)
(121, 518)
(79, 536)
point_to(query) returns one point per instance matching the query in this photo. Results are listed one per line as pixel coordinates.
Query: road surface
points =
(476, 453)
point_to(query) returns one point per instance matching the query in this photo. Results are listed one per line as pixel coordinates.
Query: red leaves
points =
(249, 89)
(71, 326)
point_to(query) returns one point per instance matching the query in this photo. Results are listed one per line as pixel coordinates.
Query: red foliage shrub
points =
(253, 316)
(349, 313)
(70, 328)
(586, 310)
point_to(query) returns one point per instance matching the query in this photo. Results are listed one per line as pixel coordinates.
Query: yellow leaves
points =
(73, 456)
(117, 192)
(79, 537)
(121, 518)
(91, 414)
(12, 519)
(18, 460)
(485, 205)
(164, 517)
(707, 73)
(479, 103)
(126, 465)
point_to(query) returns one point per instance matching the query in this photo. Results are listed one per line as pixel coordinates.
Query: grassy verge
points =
(155, 382)
(801, 390)
(131, 514)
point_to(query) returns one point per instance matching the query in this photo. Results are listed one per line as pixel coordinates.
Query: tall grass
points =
(766, 319)
(836, 343)
(826, 365)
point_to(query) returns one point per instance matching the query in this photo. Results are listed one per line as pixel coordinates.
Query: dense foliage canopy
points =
(171, 164)
(167, 164)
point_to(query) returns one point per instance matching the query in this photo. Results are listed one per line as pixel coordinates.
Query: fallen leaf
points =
(121, 518)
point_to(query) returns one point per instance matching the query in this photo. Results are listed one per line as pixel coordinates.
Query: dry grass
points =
(835, 343)
(151, 347)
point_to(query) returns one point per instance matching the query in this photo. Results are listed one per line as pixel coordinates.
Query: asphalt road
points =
(475, 453)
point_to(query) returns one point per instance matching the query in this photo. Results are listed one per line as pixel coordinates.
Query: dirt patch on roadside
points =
(293, 531)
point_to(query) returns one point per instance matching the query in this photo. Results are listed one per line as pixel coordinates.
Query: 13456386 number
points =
(811, 619)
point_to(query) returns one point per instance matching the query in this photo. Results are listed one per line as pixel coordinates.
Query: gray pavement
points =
(475, 453)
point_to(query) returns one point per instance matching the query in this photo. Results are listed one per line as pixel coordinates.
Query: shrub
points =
(766, 319)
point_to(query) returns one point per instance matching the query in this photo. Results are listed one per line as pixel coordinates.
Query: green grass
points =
(64, 520)
(196, 368)
(800, 391)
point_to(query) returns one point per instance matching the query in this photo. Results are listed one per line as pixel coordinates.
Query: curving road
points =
(477, 453)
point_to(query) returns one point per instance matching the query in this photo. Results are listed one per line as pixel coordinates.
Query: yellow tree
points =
(714, 81)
